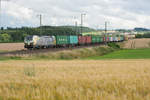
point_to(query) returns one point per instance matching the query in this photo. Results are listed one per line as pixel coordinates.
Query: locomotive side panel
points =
(46, 41)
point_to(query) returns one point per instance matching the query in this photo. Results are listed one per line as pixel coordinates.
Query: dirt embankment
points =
(11, 46)
(137, 43)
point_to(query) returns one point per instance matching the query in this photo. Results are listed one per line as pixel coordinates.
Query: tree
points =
(5, 37)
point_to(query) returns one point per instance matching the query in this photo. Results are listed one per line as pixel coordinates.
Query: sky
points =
(119, 14)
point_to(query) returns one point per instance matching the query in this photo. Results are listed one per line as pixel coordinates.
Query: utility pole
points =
(0, 12)
(40, 16)
(105, 32)
(76, 24)
(82, 22)
(40, 24)
(105, 28)
(40, 20)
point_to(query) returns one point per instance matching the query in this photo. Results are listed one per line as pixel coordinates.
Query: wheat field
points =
(75, 80)
(137, 43)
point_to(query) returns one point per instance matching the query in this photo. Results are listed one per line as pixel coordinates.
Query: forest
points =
(18, 34)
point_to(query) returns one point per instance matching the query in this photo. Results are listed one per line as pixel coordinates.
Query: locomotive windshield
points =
(29, 38)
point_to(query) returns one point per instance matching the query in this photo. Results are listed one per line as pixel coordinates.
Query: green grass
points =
(125, 54)
(97, 53)
(3, 51)
(3, 58)
(64, 55)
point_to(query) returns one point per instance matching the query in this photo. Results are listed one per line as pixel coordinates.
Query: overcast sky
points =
(118, 13)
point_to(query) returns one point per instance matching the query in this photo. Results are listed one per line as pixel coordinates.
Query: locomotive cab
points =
(30, 41)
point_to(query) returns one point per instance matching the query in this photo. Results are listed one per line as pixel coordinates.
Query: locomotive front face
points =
(29, 42)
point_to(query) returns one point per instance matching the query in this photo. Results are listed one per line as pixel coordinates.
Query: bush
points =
(77, 54)
(114, 45)
(5, 37)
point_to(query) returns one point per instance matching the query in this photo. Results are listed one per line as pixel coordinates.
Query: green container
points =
(61, 40)
(101, 39)
(73, 39)
(96, 39)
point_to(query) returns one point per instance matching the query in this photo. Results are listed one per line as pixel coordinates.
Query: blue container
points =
(73, 39)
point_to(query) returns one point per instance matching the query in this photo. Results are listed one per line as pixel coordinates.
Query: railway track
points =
(40, 51)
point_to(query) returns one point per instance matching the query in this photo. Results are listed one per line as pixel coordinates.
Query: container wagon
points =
(96, 39)
(88, 39)
(81, 40)
(61, 40)
(73, 40)
(66, 41)
(101, 39)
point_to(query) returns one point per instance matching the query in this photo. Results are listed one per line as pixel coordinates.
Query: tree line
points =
(18, 34)
(145, 35)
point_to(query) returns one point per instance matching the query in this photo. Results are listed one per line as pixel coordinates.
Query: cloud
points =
(119, 13)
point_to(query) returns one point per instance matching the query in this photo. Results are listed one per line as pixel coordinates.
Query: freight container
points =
(73, 39)
(96, 39)
(104, 39)
(88, 39)
(61, 40)
(107, 38)
(110, 39)
(81, 40)
(101, 39)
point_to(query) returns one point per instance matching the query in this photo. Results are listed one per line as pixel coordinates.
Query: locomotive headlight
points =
(29, 42)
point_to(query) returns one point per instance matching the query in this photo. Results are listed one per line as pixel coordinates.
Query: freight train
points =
(37, 42)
